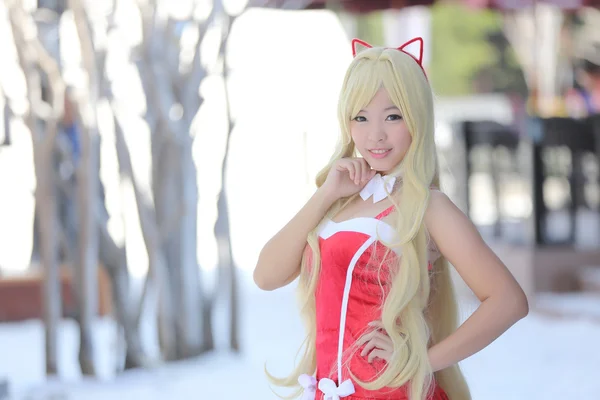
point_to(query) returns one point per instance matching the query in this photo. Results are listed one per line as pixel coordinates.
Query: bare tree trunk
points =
(175, 188)
(46, 205)
(114, 259)
(191, 296)
(112, 256)
(87, 190)
(177, 185)
(6, 114)
(222, 226)
(158, 266)
(166, 188)
(158, 105)
(86, 269)
(198, 307)
(32, 56)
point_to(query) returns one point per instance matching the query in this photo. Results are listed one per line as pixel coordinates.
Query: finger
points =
(357, 172)
(384, 342)
(379, 341)
(351, 170)
(361, 177)
(366, 170)
(376, 324)
(380, 329)
(375, 343)
(341, 165)
(369, 336)
(368, 347)
(377, 353)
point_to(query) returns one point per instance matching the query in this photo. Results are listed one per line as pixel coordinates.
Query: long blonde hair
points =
(420, 309)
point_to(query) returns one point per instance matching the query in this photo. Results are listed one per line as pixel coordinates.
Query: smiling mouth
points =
(380, 151)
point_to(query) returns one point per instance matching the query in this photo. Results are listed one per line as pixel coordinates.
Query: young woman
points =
(370, 250)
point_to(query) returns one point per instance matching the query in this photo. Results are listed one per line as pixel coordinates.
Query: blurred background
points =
(149, 148)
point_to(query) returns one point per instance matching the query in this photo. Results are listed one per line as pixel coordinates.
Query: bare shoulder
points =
(438, 195)
(439, 202)
(444, 218)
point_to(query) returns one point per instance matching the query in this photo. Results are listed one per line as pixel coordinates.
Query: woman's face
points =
(380, 133)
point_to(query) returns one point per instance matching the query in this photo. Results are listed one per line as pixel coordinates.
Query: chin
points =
(382, 165)
(382, 169)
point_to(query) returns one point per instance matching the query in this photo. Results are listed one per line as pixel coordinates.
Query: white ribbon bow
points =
(333, 392)
(376, 187)
(309, 383)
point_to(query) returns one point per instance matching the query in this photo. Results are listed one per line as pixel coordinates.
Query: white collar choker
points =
(377, 187)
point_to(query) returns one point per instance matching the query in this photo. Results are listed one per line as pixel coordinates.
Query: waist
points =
(354, 365)
(362, 394)
(326, 389)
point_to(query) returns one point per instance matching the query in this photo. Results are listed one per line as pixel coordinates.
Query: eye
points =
(359, 118)
(394, 117)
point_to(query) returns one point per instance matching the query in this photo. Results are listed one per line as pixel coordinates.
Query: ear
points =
(417, 39)
(358, 46)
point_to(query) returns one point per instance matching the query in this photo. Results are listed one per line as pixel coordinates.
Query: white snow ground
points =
(541, 357)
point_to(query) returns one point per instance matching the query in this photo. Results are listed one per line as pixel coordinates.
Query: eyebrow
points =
(386, 109)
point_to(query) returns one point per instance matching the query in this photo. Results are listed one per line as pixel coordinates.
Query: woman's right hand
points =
(348, 176)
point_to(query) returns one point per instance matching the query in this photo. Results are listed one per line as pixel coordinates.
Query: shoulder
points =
(448, 225)
(437, 200)
(441, 208)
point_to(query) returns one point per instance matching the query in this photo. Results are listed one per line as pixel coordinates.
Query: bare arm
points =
(503, 302)
(279, 260)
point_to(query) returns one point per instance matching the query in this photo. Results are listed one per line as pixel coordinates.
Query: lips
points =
(379, 153)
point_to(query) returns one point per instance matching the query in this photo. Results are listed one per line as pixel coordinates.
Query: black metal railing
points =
(562, 150)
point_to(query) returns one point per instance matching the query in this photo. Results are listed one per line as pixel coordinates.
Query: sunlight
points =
(268, 156)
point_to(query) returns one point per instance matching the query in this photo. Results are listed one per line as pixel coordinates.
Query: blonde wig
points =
(420, 308)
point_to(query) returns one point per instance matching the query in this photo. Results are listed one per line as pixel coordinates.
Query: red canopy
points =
(364, 6)
(516, 4)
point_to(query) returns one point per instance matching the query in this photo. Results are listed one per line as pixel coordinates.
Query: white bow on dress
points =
(377, 186)
(330, 390)
(309, 384)
(334, 392)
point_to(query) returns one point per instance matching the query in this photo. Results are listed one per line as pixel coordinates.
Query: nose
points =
(377, 132)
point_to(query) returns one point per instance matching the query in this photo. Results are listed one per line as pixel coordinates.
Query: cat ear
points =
(417, 39)
(358, 46)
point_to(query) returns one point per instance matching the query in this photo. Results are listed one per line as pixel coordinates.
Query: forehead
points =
(369, 84)
(380, 99)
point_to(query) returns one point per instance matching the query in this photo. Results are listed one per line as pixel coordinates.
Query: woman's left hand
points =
(377, 345)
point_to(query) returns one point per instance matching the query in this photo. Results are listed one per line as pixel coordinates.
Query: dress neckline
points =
(379, 216)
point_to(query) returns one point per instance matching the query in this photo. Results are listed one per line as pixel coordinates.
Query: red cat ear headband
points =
(401, 48)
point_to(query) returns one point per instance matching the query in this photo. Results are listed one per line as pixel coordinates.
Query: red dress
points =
(348, 298)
